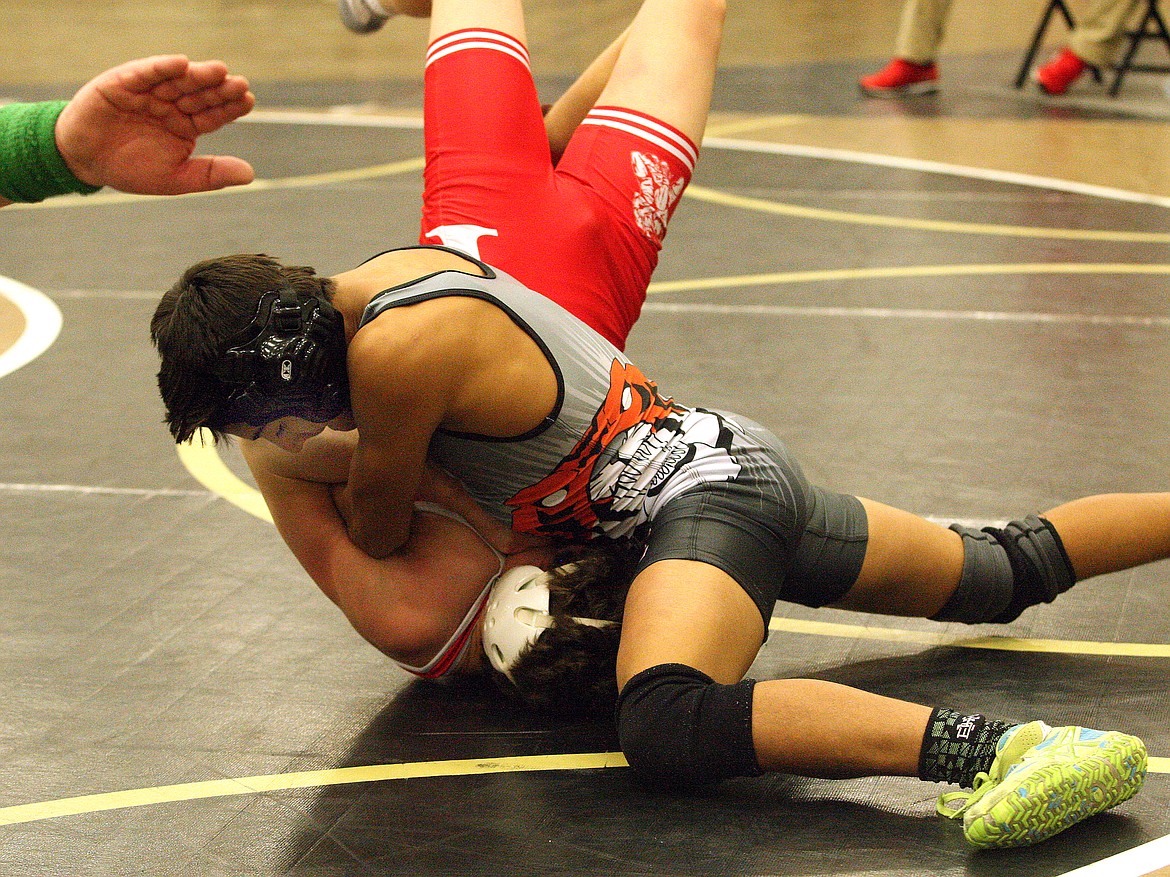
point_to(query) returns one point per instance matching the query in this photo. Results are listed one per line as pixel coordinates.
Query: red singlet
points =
(586, 233)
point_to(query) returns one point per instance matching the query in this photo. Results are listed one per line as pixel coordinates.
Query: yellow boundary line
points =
(280, 782)
(303, 780)
(702, 193)
(906, 272)
(102, 199)
(1000, 643)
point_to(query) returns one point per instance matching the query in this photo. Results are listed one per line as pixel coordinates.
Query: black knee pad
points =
(1040, 564)
(680, 729)
(1007, 570)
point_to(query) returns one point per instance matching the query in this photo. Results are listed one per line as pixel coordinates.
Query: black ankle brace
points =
(958, 746)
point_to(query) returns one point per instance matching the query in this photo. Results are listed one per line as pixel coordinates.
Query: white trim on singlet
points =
(458, 639)
(477, 39)
(651, 124)
(644, 133)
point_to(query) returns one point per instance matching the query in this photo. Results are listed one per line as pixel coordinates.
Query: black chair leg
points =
(1135, 41)
(1159, 32)
(1053, 6)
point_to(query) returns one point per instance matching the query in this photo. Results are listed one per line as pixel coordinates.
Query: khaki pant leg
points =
(921, 29)
(1100, 30)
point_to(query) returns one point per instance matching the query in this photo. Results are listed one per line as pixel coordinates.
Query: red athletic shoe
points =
(1058, 74)
(900, 78)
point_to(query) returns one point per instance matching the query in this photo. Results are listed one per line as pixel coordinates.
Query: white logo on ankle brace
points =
(965, 727)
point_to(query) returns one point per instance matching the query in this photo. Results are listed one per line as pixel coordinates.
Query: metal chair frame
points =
(1152, 27)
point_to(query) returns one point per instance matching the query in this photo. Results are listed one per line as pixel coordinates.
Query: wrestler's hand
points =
(134, 127)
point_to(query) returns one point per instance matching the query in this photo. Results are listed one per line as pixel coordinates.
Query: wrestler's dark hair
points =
(194, 324)
(571, 668)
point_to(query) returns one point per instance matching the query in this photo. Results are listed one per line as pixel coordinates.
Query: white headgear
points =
(517, 614)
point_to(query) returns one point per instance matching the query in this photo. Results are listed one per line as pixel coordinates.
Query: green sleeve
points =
(31, 168)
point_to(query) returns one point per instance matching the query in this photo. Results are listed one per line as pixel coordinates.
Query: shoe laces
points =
(964, 800)
(1010, 751)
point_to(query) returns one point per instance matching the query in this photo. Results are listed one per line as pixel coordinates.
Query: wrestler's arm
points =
(406, 605)
(405, 374)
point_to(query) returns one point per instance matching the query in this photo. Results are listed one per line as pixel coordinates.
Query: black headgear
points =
(289, 361)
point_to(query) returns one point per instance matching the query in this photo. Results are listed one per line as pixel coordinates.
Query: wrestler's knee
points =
(680, 729)
(1007, 570)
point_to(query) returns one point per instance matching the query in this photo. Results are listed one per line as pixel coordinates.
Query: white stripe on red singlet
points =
(648, 129)
(477, 39)
(650, 123)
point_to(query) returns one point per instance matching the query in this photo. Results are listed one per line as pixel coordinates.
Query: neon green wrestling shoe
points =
(1045, 779)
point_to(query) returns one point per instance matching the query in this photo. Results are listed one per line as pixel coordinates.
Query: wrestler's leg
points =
(600, 223)
(506, 16)
(1114, 531)
(566, 113)
(690, 632)
(666, 67)
(688, 614)
(667, 72)
(487, 154)
(490, 186)
(912, 566)
(629, 161)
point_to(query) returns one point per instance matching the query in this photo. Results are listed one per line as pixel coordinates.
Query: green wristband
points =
(31, 168)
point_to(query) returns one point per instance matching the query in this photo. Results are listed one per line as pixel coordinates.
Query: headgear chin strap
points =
(289, 361)
(517, 614)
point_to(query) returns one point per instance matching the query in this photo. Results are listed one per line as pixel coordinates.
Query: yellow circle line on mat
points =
(713, 196)
(304, 780)
(1001, 643)
(905, 271)
(203, 462)
(335, 777)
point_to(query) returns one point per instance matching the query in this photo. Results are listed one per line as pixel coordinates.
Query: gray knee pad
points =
(1006, 571)
(680, 729)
